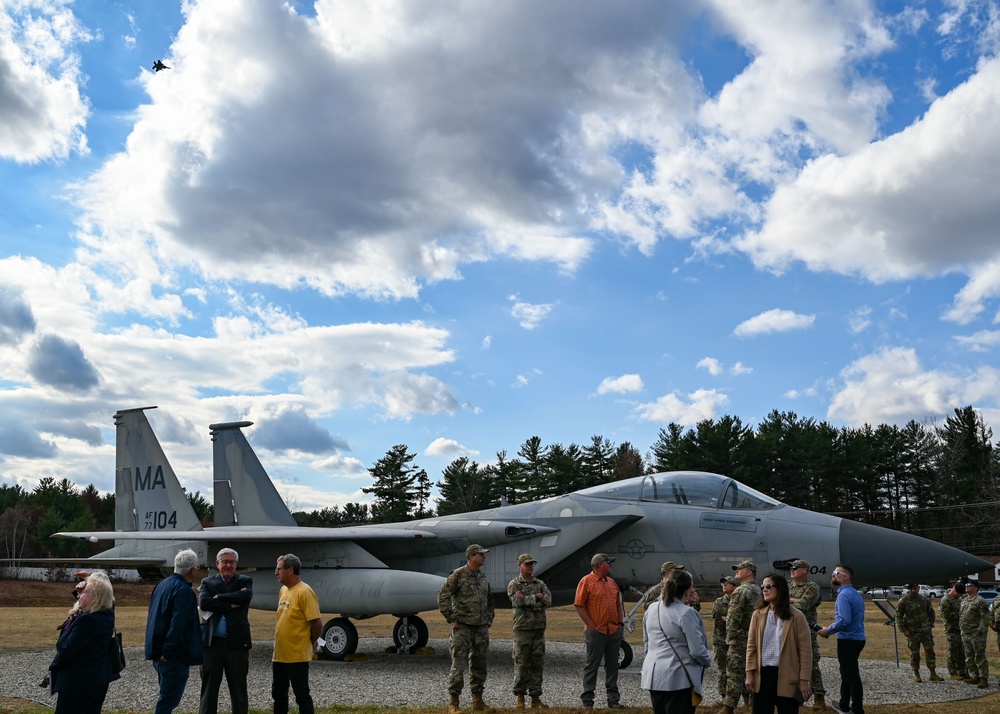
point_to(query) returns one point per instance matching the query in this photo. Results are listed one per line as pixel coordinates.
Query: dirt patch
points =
(35, 593)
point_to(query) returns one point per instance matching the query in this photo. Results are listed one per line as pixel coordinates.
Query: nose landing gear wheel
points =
(624, 655)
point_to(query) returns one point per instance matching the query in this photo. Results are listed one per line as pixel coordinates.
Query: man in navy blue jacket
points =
(226, 634)
(173, 637)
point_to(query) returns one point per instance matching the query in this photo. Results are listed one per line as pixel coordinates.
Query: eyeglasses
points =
(768, 587)
(839, 572)
(227, 562)
(282, 567)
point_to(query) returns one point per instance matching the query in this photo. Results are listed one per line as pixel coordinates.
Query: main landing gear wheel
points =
(341, 637)
(624, 655)
(411, 636)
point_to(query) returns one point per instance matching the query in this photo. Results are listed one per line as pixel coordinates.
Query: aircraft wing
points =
(96, 561)
(256, 534)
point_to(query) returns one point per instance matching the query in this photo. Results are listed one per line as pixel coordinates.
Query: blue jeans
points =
(173, 677)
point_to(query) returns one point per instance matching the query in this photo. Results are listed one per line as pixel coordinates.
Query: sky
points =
(457, 225)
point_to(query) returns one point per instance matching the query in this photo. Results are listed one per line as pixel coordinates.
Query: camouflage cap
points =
(798, 563)
(970, 583)
(525, 558)
(729, 579)
(748, 564)
(670, 565)
(600, 558)
(475, 550)
(910, 586)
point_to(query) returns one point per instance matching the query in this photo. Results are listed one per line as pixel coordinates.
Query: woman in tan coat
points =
(779, 652)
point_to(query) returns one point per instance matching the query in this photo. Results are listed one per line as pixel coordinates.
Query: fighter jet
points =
(707, 521)
(158, 65)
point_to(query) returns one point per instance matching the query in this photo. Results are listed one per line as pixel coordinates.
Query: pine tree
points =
(395, 489)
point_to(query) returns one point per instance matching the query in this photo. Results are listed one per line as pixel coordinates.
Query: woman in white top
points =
(779, 652)
(673, 667)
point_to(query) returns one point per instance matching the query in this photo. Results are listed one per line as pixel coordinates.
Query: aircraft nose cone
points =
(880, 556)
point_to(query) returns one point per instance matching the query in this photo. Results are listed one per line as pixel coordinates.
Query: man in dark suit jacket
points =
(226, 634)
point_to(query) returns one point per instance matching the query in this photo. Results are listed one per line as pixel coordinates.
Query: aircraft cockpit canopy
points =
(687, 488)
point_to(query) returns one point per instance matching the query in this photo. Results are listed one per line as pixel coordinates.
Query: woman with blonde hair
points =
(81, 670)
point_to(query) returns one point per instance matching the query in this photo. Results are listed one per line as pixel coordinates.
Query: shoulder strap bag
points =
(695, 697)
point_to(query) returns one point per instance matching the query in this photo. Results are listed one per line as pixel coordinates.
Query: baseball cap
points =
(600, 558)
(474, 550)
(670, 565)
(729, 579)
(798, 564)
(746, 564)
(525, 558)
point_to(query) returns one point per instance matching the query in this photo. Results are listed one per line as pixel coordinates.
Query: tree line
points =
(938, 481)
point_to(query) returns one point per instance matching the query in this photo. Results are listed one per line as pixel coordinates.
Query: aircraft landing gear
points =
(624, 655)
(341, 637)
(409, 634)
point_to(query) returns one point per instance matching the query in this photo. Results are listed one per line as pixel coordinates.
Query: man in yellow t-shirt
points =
(296, 637)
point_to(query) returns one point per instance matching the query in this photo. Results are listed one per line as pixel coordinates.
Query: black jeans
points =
(852, 692)
(765, 700)
(296, 674)
(671, 702)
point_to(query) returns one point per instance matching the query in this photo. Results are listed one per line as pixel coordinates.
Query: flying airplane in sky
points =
(706, 521)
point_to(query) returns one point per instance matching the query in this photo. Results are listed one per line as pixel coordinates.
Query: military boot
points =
(819, 702)
(916, 676)
(453, 707)
(984, 683)
(934, 677)
(536, 702)
(971, 680)
(478, 705)
(519, 703)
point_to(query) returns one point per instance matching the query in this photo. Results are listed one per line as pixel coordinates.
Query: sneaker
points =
(837, 706)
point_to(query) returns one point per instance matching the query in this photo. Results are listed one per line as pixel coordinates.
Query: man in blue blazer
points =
(225, 634)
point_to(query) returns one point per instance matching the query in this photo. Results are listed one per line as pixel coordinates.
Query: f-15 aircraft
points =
(707, 521)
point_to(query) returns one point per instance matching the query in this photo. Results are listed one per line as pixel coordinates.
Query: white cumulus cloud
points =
(773, 321)
(620, 385)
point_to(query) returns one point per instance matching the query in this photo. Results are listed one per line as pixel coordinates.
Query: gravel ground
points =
(420, 680)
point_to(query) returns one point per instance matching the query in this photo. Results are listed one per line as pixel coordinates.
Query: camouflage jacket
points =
(808, 596)
(657, 592)
(950, 607)
(529, 611)
(974, 616)
(914, 613)
(719, 611)
(741, 606)
(466, 597)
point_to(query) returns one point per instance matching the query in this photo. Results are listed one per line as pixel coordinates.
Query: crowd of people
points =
(764, 641)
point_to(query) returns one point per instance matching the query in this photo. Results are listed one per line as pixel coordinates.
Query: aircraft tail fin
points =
(148, 496)
(244, 493)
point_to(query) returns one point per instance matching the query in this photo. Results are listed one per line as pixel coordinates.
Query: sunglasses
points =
(768, 587)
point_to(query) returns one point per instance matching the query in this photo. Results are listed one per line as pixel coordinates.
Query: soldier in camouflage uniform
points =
(974, 617)
(916, 620)
(995, 618)
(741, 606)
(656, 591)
(949, 607)
(530, 598)
(719, 611)
(805, 595)
(467, 603)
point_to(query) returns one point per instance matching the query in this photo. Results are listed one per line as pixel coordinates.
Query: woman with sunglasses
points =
(779, 652)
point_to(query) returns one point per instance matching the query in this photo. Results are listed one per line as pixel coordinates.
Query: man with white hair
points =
(226, 598)
(173, 635)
